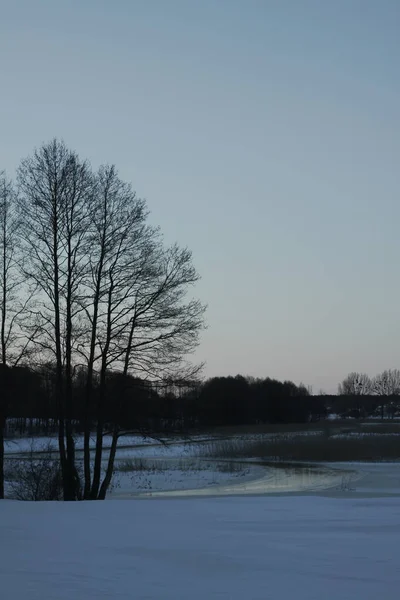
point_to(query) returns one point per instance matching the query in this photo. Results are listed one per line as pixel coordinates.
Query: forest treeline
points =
(167, 407)
(139, 405)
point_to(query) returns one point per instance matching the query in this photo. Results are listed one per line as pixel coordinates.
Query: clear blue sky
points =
(265, 135)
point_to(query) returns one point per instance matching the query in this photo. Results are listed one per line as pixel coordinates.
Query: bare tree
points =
(386, 384)
(55, 201)
(14, 299)
(356, 384)
(117, 235)
(35, 477)
(137, 319)
(158, 328)
(109, 295)
(13, 345)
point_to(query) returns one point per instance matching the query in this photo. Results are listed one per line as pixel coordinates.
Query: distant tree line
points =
(369, 395)
(157, 407)
(162, 407)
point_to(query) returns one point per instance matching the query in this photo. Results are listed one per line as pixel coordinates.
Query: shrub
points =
(34, 478)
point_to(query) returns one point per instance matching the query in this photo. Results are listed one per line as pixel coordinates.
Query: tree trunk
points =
(4, 386)
(73, 476)
(86, 457)
(99, 439)
(102, 392)
(110, 467)
(111, 459)
(3, 382)
(63, 458)
(89, 386)
(2, 426)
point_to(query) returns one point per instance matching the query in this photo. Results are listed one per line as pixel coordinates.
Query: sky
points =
(265, 136)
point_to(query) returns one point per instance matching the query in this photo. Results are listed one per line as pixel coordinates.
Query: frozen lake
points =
(177, 468)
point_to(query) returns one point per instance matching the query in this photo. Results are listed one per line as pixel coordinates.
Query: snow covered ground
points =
(260, 548)
(177, 449)
(25, 444)
(127, 446)
(286, 533)
(169, 466)
(368, 480)
(269, 480)
(177, 469)
(173, 477)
